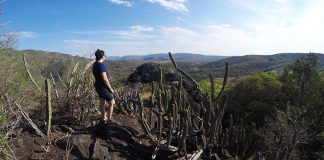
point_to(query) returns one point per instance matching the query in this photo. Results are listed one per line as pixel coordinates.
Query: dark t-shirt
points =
(98, 68)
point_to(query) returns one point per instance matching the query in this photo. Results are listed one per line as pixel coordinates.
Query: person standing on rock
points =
(103, 86)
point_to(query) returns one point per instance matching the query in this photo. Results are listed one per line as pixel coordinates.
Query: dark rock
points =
(214, 157)
(22, 147)
(100, 150)
(145, 73)
(82, 142)
(81, 145)
(150, 72)
(119, 141)
(66, 129)
(134, 77)
(170, 77)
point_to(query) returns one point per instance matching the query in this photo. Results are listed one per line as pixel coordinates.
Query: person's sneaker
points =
(111, 121)
(103, 121)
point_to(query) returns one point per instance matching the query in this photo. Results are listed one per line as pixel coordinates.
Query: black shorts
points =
(105, 94)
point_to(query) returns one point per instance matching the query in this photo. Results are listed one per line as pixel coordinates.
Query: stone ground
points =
(121, 139)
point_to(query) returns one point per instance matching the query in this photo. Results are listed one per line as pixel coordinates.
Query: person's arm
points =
(106, 81)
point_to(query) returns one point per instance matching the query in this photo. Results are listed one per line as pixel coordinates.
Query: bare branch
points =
(25, 115)
(30, 76)
(182, 72)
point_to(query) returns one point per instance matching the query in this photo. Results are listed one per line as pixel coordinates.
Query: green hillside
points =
(42, 64)
(179, 57)
(242, 65)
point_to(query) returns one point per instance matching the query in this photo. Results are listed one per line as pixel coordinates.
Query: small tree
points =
(254, 98)
(300, 80)
(7, 39)
(303, 88)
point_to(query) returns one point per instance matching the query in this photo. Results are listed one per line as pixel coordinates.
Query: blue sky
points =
(126, 27)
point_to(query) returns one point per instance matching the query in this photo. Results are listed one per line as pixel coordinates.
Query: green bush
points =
(254, 98)
(204, 86)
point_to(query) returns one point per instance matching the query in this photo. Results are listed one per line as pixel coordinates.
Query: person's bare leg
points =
(111, 105)
(102, 109)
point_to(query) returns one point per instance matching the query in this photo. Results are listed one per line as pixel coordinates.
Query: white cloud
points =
(282, 1)
(98, 32)
(178, 32)
(25, 34)
(122, 2)
(114, 47)
(77, 42)
(177, 5)
(219, 27)
(134, 31)
(139, 29)
(123, 43)
(285, 29)
(272, 29)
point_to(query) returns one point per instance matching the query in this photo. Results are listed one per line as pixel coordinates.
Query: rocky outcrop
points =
(80, 145)
(106, 141)
(121, 139)
(145, 73)
(150, 72)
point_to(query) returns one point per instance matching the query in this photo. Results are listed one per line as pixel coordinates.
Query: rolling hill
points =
(241, 65)
(179, 57)
(199, 66)
(43, 63)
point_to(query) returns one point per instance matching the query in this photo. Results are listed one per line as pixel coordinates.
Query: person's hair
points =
(99, 54)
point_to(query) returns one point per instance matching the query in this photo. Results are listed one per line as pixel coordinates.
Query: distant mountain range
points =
(202, 64)
(240, 65)
(179, 57)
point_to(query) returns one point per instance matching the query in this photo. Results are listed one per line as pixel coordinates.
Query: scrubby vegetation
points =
(289, 106)
(261, 116)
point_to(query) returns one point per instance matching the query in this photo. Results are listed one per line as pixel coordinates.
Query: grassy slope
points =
(43, 63)
(15, 81)
(242, 65)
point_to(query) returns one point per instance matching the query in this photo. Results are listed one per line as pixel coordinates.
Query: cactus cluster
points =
(126, 100)
(190, 127)
(182, 124)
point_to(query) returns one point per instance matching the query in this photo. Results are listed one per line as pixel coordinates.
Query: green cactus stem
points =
(224, 83)
(143, 122)
(49, 106)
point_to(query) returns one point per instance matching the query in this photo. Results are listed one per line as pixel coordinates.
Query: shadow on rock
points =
(106, 141)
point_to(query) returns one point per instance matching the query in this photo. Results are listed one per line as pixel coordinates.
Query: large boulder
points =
(150, 72)
(145, 73)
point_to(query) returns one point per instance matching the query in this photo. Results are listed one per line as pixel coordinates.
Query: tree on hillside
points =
(301, 81)
(303, 88)
(254, 98)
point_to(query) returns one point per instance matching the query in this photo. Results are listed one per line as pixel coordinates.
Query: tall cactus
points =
(143, 121)
(184, 132)
(49, 106)
(172, 124)
(188, 120)
(182, 72)
(160, 113)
